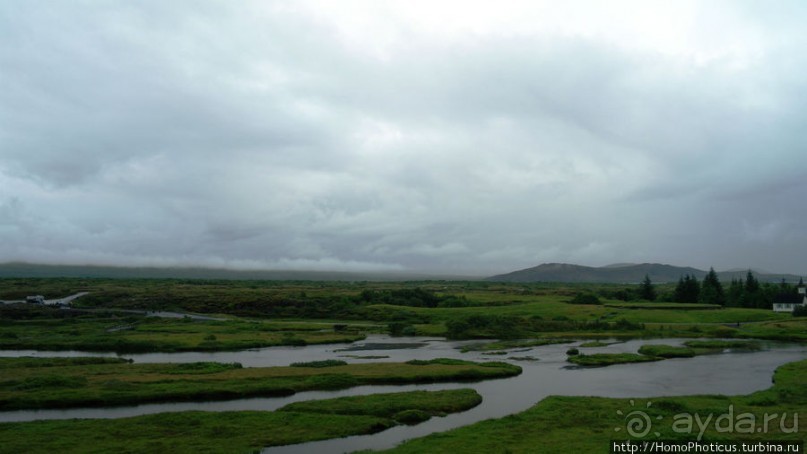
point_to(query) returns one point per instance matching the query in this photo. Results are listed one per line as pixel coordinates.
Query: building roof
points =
(788, 298)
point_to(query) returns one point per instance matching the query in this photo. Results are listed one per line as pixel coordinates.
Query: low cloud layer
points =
(445, 137)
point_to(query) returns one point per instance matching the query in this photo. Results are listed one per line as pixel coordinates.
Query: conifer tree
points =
(712, 290)
(687, 290)
(736, 293)
(646, 289)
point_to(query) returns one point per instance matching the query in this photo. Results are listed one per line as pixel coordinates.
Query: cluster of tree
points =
(644, 291)
(710, 291)
(687, 290)
(748, 293)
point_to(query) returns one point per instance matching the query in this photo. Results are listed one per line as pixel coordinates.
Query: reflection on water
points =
(728, 373)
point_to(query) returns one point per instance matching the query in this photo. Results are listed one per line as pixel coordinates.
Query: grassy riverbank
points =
(406, 408)
(658, 352)
(500, 346)
(589, 424)
(71, 382)
(129, 333)
(234, 432)
(53, 329)
(607, 359)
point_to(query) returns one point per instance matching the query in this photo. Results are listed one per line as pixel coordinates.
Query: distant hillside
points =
(548, 272)
(21, 270)
(622, 274)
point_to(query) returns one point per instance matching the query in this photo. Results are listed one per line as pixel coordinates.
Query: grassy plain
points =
(233, 432)
(262, 298)
(589, 424)
(267, 313)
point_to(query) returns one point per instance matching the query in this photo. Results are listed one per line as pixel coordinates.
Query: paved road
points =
(54, 302)
(66, 300)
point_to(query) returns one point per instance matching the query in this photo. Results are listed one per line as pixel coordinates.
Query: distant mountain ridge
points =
(619, 273)
(624, 273)
(31, 270)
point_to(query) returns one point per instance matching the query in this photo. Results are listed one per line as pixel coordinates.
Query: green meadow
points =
(252, 314)
(130, 333)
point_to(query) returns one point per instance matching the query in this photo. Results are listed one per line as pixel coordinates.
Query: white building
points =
(789, 302)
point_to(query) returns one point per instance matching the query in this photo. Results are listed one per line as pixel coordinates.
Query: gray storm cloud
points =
(403, 136)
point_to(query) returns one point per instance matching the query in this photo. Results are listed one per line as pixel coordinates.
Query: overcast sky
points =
(427, 136)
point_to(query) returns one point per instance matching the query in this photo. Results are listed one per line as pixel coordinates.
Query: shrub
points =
(625, 325)
(477, 325)
(397, 328)
(585, 298)
(411, 417)
(724, 331)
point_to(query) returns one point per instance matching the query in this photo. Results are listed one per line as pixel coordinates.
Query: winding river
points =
(728, 373)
